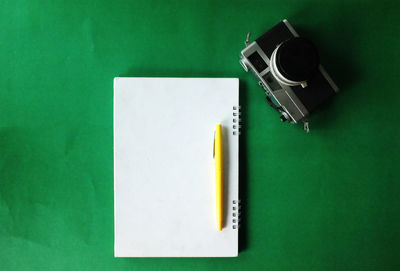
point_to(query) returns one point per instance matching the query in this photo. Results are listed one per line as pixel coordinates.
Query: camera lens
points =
(297, 59)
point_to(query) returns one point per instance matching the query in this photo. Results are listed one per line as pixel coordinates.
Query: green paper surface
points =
(328, 200)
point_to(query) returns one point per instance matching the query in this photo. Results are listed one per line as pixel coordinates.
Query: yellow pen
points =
(218, 159)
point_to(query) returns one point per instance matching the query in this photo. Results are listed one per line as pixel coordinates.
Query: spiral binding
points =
(235, 214)
(236, 125)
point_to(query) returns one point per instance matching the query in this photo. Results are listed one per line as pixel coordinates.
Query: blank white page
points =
(164, 184)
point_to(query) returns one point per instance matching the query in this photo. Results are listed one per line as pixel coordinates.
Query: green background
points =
(328, 200)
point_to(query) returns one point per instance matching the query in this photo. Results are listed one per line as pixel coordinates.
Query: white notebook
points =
(164, 184)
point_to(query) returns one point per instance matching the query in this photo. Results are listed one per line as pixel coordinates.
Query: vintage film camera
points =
(287, 67)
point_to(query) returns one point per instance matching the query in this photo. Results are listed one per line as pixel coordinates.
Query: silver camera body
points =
(287, 68)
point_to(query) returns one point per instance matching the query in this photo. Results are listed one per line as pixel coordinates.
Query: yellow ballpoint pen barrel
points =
(218, 159)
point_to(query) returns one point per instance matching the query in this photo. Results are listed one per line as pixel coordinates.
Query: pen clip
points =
(214, 146)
